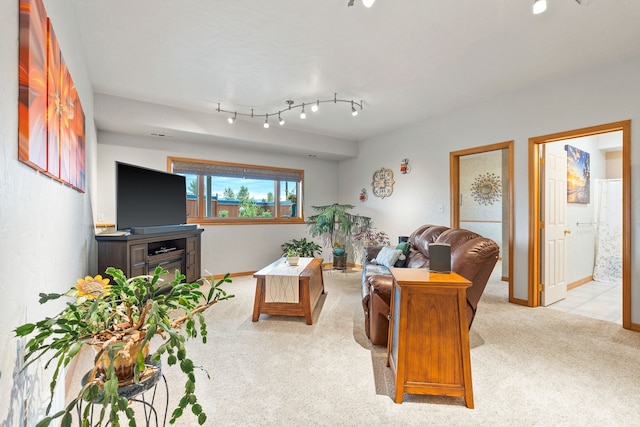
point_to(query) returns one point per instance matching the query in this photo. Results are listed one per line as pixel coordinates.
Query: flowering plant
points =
(119, 318)
(374, 236)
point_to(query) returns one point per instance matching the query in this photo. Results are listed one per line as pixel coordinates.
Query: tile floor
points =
(598, 300)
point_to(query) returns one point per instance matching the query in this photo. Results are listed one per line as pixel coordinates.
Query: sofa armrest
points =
(382, 285)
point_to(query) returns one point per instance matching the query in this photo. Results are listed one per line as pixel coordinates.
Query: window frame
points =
(202, 220)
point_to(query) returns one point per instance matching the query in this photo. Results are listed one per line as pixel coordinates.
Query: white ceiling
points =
(406, 60)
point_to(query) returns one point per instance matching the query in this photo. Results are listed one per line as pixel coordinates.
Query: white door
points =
(554, 218)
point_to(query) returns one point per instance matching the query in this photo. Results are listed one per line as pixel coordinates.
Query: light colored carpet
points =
(530, 367)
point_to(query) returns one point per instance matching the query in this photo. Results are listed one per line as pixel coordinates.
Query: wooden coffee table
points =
(310, 287)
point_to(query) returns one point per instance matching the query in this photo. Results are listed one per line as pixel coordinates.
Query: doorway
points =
(537, 225)
(481, 180)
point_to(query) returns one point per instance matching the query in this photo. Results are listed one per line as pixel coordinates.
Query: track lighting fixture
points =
(315, 106)
(366, 3)
(540, 6)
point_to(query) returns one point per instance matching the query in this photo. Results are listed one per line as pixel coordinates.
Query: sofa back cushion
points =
(420, 242)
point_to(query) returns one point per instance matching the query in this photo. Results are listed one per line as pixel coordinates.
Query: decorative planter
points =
(125, 358)
(338, 251)
(293, 260)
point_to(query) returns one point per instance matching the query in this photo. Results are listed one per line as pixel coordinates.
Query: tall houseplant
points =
(333, 223)
(119, 318)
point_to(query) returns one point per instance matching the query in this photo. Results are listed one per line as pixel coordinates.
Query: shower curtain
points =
(608, 263)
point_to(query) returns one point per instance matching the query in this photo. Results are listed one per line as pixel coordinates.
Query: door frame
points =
(534, 204)
(454, 182)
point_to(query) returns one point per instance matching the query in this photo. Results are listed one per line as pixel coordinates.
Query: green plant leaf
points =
(25, 329)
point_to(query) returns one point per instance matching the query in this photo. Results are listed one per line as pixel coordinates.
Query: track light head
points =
(539, 6)
(230, 120)
(315, 107)
(303, 115)
(354, 112)
(280, 120)
(266, 121)
(368, 3)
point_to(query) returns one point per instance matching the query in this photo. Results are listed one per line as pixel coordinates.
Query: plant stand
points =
(340, 262)
(136, 393)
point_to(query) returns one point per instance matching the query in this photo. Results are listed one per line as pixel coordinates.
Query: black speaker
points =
(440, 257)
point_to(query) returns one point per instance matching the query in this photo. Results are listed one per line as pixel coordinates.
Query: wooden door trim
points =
(454, 182)
(534, 204)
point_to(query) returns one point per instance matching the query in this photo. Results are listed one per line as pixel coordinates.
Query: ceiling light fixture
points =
(366, 3)
(539, 6)
(315, 106)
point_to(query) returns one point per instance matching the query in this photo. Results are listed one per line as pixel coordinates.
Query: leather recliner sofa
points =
(472, 256)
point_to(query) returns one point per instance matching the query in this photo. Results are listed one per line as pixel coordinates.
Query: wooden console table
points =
(428, 348)
(310, 287)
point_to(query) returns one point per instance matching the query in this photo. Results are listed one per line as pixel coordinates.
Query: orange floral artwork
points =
(51, 119)
(32, 79)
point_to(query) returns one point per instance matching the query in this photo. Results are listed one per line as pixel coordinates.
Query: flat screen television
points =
(148, 200)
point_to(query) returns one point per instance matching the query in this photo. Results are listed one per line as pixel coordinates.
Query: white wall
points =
(46, 228)
(603, 96)
(235, 248)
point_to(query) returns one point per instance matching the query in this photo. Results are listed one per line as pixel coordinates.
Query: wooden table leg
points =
(305, 300)
(258, 300)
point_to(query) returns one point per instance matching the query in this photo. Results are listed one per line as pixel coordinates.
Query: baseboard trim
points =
(580, 282)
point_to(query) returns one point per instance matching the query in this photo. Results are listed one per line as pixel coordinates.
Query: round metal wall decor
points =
(382, 183)
(486, 188)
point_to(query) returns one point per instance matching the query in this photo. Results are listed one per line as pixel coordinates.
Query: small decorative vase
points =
(338, 251)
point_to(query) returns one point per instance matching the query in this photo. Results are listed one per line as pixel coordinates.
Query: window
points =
(224, 193)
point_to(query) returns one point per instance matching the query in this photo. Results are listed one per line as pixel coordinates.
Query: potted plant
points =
(372, 237)
(302, 247)
(292, 257)
(119, 317)
(333, 221)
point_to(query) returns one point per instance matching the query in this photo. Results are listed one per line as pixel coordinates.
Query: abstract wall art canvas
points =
(578, 175)
(51, 136)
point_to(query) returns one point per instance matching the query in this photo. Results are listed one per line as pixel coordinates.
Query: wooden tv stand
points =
(138, 254)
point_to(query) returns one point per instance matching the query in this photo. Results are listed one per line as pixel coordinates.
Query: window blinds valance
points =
(233, 171)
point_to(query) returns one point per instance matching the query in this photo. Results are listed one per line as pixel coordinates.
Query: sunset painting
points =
(578, 175)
